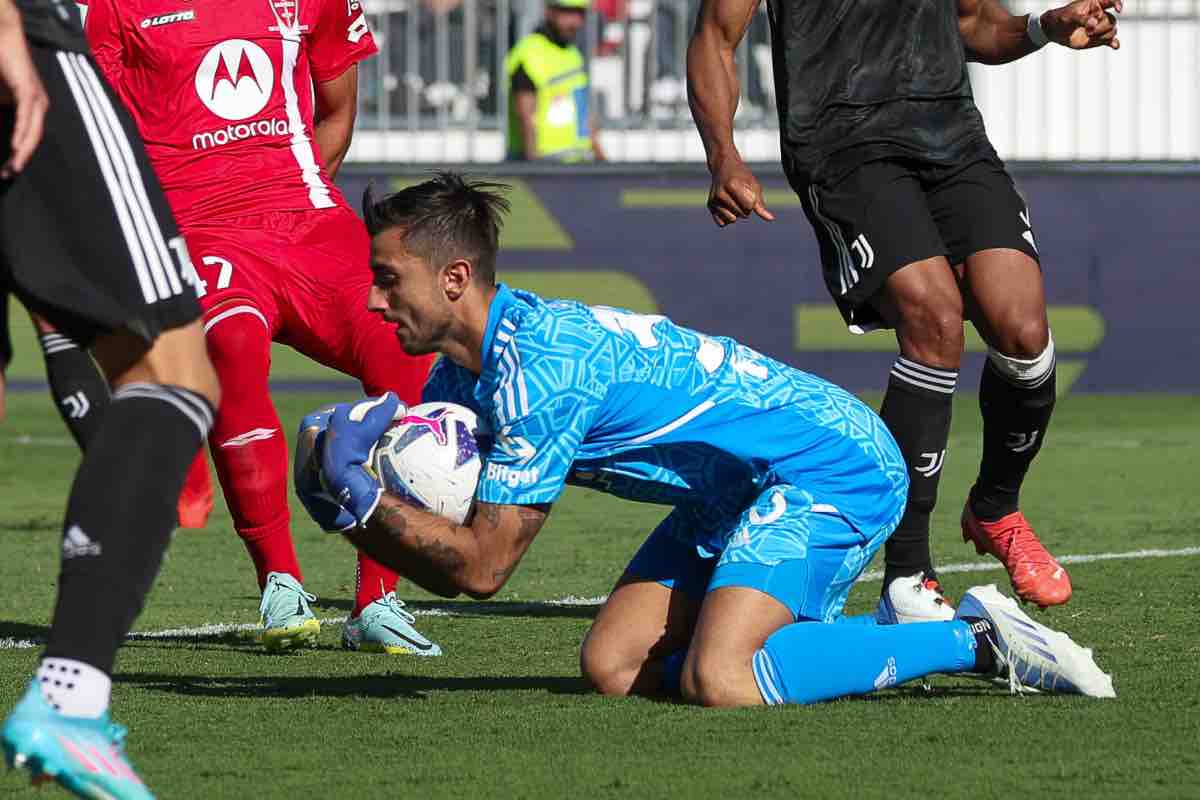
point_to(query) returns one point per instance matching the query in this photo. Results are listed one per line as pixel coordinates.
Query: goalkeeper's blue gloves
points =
(319, 503)
(349, 440)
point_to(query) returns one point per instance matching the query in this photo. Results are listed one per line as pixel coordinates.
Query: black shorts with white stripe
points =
(88, 238)
(888, 214)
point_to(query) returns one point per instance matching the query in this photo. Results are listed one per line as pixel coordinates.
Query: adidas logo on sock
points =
(76, 543)
(888, 676)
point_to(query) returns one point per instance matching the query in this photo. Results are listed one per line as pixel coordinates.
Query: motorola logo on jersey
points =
(235, 79)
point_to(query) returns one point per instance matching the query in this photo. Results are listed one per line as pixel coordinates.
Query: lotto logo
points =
(235, 79)
(167, 19)
(512, 478)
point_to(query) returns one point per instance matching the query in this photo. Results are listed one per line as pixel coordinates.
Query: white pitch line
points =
(219, 629)
(988, 566)
(43, 441)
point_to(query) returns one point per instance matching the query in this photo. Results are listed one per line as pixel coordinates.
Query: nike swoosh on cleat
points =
(410, 640)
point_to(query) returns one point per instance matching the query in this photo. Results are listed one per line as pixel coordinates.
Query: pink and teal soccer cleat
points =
(85, 756)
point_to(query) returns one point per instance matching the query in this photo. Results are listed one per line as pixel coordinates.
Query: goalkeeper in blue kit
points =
(781, 485)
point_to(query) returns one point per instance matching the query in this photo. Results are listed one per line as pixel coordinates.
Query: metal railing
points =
(437, 92)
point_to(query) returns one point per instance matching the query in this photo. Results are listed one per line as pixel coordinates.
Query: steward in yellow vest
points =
(548, 114)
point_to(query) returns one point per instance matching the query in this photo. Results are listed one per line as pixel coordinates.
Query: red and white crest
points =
(287, 12)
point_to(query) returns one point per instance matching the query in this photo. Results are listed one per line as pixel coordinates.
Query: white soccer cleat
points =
(913, 598)
(1030, 655)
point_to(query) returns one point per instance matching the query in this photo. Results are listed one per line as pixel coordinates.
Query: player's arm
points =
(991, 35)
(20, 86)
(336, 109)
(713, 96)
(339, 39)
(445, 558)
(438, 554)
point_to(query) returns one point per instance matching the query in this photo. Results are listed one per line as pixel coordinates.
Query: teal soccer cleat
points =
(385, 627)
(286, 619)
(85, 756)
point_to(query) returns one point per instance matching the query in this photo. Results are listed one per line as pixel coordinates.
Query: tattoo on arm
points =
(530, 522)
(425, 548)
(447, 558)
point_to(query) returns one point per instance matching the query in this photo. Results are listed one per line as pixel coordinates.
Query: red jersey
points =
(222, 92)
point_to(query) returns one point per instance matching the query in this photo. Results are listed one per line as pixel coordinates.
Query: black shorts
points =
(888, 214)
(86, 236)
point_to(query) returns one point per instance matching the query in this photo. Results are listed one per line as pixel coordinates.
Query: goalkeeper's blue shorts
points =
(803, 554)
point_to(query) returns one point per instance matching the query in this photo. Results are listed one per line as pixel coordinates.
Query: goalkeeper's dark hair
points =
(445, 218)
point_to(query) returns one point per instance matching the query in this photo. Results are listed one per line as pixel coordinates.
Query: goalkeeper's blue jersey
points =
(644, 409)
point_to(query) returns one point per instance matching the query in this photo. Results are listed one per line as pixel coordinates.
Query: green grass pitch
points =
(504, 713)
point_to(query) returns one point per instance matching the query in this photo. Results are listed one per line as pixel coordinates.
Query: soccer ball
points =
(431, 457)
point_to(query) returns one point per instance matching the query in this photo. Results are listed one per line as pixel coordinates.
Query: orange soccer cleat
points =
(196, 499)
(1036, 576)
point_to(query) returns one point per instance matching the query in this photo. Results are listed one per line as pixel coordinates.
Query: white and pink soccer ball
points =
(431, 456)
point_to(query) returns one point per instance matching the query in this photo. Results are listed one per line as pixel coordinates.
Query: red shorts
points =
(305, 275)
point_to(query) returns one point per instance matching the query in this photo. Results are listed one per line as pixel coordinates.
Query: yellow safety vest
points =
(561, 81)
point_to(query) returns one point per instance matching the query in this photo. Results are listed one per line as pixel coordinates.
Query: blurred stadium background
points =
(1104, 146)
(433, 94)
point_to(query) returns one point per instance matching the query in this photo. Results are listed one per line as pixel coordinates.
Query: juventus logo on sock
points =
(933, 464)
(77, 405)
(1020, 442)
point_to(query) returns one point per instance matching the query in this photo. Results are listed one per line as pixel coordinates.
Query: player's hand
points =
(1084, 24)
(735, 193)
(306, 474)
(349, 440)
(20, 86)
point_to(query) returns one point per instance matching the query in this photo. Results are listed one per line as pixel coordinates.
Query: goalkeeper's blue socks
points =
(808, 662)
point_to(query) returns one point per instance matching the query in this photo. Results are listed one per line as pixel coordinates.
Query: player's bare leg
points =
(640, 630)
(923, 303)
(734, 624)
(1006, 302)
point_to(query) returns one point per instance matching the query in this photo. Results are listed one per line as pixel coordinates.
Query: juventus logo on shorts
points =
(858, 256)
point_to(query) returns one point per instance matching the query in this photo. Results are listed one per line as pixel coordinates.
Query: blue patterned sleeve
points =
(540, 417)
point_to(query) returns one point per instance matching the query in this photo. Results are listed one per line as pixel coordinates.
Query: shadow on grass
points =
(33, 524)
(477, 608)
(23, 631)
(411, 687)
